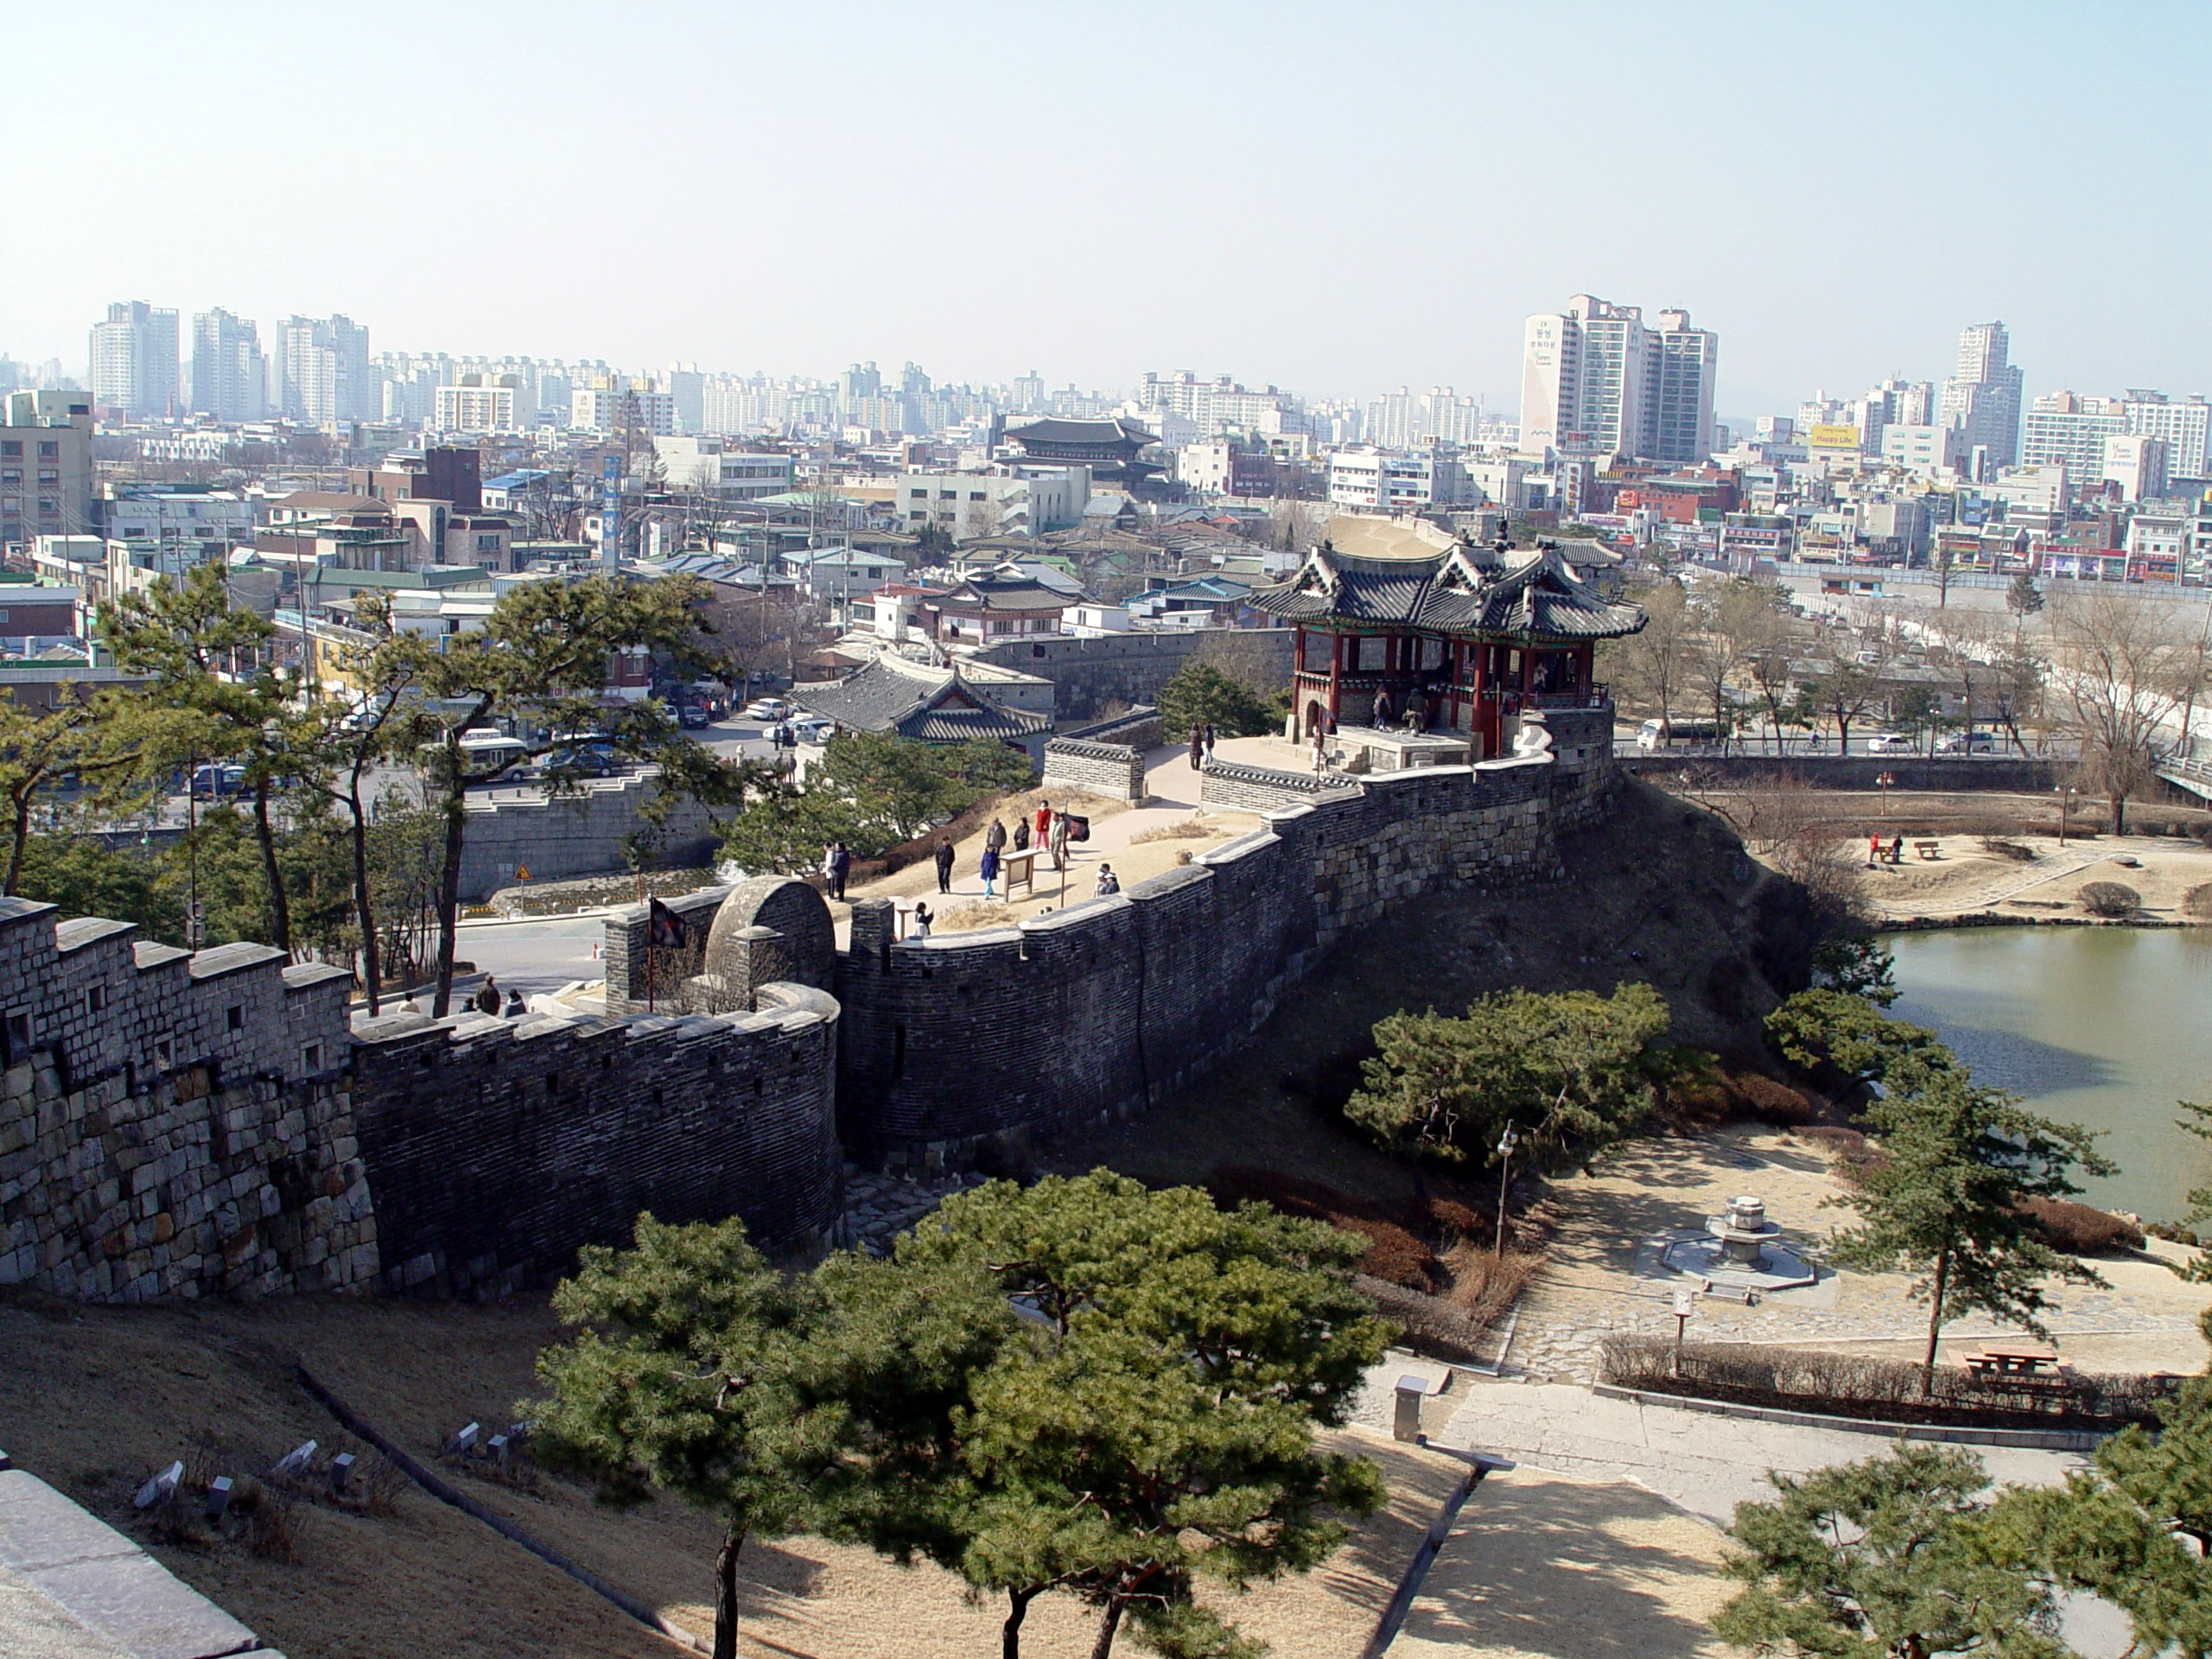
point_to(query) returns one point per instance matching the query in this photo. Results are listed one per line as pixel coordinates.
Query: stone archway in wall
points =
(770, 927)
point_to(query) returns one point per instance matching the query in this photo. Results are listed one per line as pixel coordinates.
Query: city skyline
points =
(783, 221)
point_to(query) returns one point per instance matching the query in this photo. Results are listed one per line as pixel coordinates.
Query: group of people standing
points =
(1201, 745)
(1045, 829)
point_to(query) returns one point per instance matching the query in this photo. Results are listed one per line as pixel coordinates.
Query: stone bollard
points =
(1407, 1425)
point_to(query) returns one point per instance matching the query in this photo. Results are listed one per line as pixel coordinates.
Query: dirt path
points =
(1965, 877)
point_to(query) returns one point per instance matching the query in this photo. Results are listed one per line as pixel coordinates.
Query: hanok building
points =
(1109, 448)
(956, 704)
(1471, 637)
(990, 606)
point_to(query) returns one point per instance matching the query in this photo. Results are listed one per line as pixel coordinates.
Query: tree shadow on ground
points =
(1543, 1566)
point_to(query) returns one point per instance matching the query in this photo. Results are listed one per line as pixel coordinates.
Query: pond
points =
(2103, 1026)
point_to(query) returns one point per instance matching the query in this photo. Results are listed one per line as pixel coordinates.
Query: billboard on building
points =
(1832, 437)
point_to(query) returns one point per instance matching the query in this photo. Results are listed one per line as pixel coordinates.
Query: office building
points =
(135, 362)
(641, 410)
(1982, 398)
(46, 465)
(2138, 463)
(1595, 380)
(480, 402)
(229, 375)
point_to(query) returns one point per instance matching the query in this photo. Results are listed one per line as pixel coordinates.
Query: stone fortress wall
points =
(956, 1043)
(1087, 674)
(174, 1124)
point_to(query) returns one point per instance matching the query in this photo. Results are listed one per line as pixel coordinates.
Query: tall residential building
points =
(2062, 427)
(1677, 424)
(135, 360)
(1404, 420)
(1594, 379)
(2186, 426)
(1982, 398)
(322, 371)
(230, 376)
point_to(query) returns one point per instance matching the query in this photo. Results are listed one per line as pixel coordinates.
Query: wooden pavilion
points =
(1471, 636)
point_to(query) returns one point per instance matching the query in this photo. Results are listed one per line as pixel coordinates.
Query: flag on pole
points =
(664, 931)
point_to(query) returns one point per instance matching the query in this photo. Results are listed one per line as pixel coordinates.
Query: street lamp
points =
(1684, 1302)
(2065, 794)
(1506, 1142)
(1886, 780)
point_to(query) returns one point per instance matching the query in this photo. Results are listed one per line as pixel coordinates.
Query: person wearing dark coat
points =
(994, 837)
(841, 866)
(1021, 834)
(514, 1010)
(945, 867)
(989, 869)
(487, 997)
(1381, 715)
(1198, 746)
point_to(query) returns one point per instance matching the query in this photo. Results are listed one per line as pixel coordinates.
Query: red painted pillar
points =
(1336, 665)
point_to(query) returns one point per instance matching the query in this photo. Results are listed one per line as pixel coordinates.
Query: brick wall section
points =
(1112, 770)
(1263, 789)
(958, 1043)
(173, 1124)
(624, 952)
(497, 1148)
(579, 834)
(1127, 668)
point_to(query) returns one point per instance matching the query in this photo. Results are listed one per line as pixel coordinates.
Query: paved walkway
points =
(1708, 1464)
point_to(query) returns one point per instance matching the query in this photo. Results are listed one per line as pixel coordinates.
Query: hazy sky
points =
(1334, 198)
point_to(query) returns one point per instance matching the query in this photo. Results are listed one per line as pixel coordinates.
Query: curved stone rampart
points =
(954, 1043)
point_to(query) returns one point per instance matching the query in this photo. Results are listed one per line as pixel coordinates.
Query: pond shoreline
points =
(2012, 919)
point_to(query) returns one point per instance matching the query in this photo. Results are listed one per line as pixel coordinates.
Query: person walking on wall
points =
(1109, 883)
(1320, 751)
(989, 870)
(922, 920)
(945, 866)
(487, 996)
(1381, 717)
(1021, 834)
(1198, 746)
(1208, 740)
(1059, 841)
(841, 866)
(994, 837)
(1044, 822)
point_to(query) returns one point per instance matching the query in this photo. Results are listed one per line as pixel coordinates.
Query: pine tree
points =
(1888, 1559)
(1944, 1201)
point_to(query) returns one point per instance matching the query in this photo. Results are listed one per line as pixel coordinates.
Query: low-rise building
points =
(959, 703)
(46, 465)
(708, 463)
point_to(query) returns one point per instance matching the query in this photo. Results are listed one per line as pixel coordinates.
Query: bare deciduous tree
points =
(2123, 671)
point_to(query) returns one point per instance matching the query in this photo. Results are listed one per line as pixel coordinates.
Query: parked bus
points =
(1655, 734)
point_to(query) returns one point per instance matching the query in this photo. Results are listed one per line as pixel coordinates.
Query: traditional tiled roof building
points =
(1472, 635)
(930, 704)
(1109, 447)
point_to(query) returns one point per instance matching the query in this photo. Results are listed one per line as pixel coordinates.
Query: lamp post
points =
(1684, 1302)
(1886, 780)
(1506, 1142)
(2065, 794)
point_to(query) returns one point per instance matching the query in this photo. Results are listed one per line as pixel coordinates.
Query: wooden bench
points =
(1928, 849)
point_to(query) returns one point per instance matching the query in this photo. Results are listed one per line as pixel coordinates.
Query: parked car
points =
(767, 709)
(1966, 743)
(693, 715)
(812, 728)
(214, 782)
(1889, 743)
(590, 760)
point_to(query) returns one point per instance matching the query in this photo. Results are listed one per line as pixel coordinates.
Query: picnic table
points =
(2016, 1362)
(1928, 849)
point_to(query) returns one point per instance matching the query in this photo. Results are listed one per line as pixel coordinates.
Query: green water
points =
(2103, 1026)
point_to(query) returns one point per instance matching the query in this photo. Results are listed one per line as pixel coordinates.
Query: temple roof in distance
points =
(1468, 590)
(919, 701)
(1110, 430)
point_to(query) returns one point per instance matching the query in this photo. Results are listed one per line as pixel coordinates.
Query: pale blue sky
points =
(1335, 198)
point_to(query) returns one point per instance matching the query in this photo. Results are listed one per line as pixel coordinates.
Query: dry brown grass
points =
(1188, 830)
(1485, 1283)
(965, 918)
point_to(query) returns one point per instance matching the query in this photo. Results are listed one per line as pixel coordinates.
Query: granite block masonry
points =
(173, 1124)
